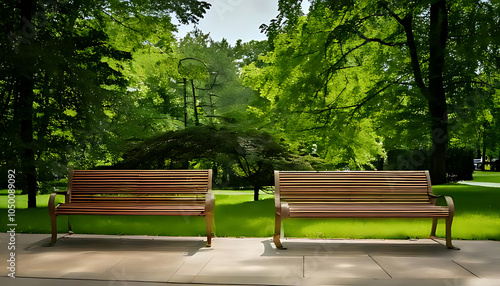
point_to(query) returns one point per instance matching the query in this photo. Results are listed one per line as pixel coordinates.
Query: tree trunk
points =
(27, 153)
(256, 189)
(434, 92)
(195, 106)
(26, 98)
(438, 35)
(483, 154)
(185, 104)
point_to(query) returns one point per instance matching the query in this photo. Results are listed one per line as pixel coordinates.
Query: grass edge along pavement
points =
(477, 216)
(486, 177)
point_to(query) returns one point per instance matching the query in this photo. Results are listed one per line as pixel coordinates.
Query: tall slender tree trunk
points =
(434, 92)
(26, 97)
(438, 36)
(483, 153)
(256, 189)
(195, 106)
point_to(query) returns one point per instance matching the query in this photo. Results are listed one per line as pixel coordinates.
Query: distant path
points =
(482, 184)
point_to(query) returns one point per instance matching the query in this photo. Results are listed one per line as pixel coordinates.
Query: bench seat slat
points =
(136, 190)
(333, 191)
(137, 195)
(134, 200)
(368, 207)
(134, 212)
(368, 215)
(364, 200)
(130, 209)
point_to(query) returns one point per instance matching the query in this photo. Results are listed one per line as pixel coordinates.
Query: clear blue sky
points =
(236, 19)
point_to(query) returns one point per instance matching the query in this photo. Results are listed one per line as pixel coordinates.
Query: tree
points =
(222, 97)
(54, 56)
(251, 156)
(218, 132)
(388, 54)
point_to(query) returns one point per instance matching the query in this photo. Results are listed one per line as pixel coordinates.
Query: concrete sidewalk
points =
(142, 260)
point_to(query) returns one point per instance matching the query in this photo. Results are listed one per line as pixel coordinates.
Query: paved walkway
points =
(99, 260)
(482, 184)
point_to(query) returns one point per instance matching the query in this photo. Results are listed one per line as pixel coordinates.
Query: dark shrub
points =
(459, 164)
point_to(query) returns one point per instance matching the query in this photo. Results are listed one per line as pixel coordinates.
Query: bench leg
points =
(277, 232)
(209, 220)
(448, 234)
(70, 229)
(52, 214)
(53, 222)
(434, 226)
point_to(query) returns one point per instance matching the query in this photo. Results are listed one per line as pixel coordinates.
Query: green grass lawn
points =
(486, 177)
(477, 216)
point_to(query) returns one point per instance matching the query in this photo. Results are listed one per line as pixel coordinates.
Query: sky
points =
(236, 19)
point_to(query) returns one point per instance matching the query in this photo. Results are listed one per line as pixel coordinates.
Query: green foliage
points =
(72, 87)
(247, 157)
(352, 63)
(221, 96)
(88, 97)
(313, 97)
(333, 89)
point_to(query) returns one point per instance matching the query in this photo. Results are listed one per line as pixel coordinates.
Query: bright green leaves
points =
(329, 76)
(367, 64)
(70, 112)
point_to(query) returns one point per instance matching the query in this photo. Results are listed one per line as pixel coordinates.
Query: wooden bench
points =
(358, 194)
(136, 192)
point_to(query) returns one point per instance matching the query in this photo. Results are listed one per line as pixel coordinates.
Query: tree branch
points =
(376, 40)
(343, 57)
(358, 105)
(406, 22)
(132, 29)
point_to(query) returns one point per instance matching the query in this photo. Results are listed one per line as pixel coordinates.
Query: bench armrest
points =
(209, 202)
(451, 205)
(52, 202)
(52, 198)
(448, 199)
(285, 210)
(434, 198)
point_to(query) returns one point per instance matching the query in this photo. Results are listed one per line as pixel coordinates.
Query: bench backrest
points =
(353, 186)
(145, 186)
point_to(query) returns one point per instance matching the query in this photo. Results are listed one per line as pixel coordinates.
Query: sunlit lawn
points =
(488, 177)
(477, 216)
